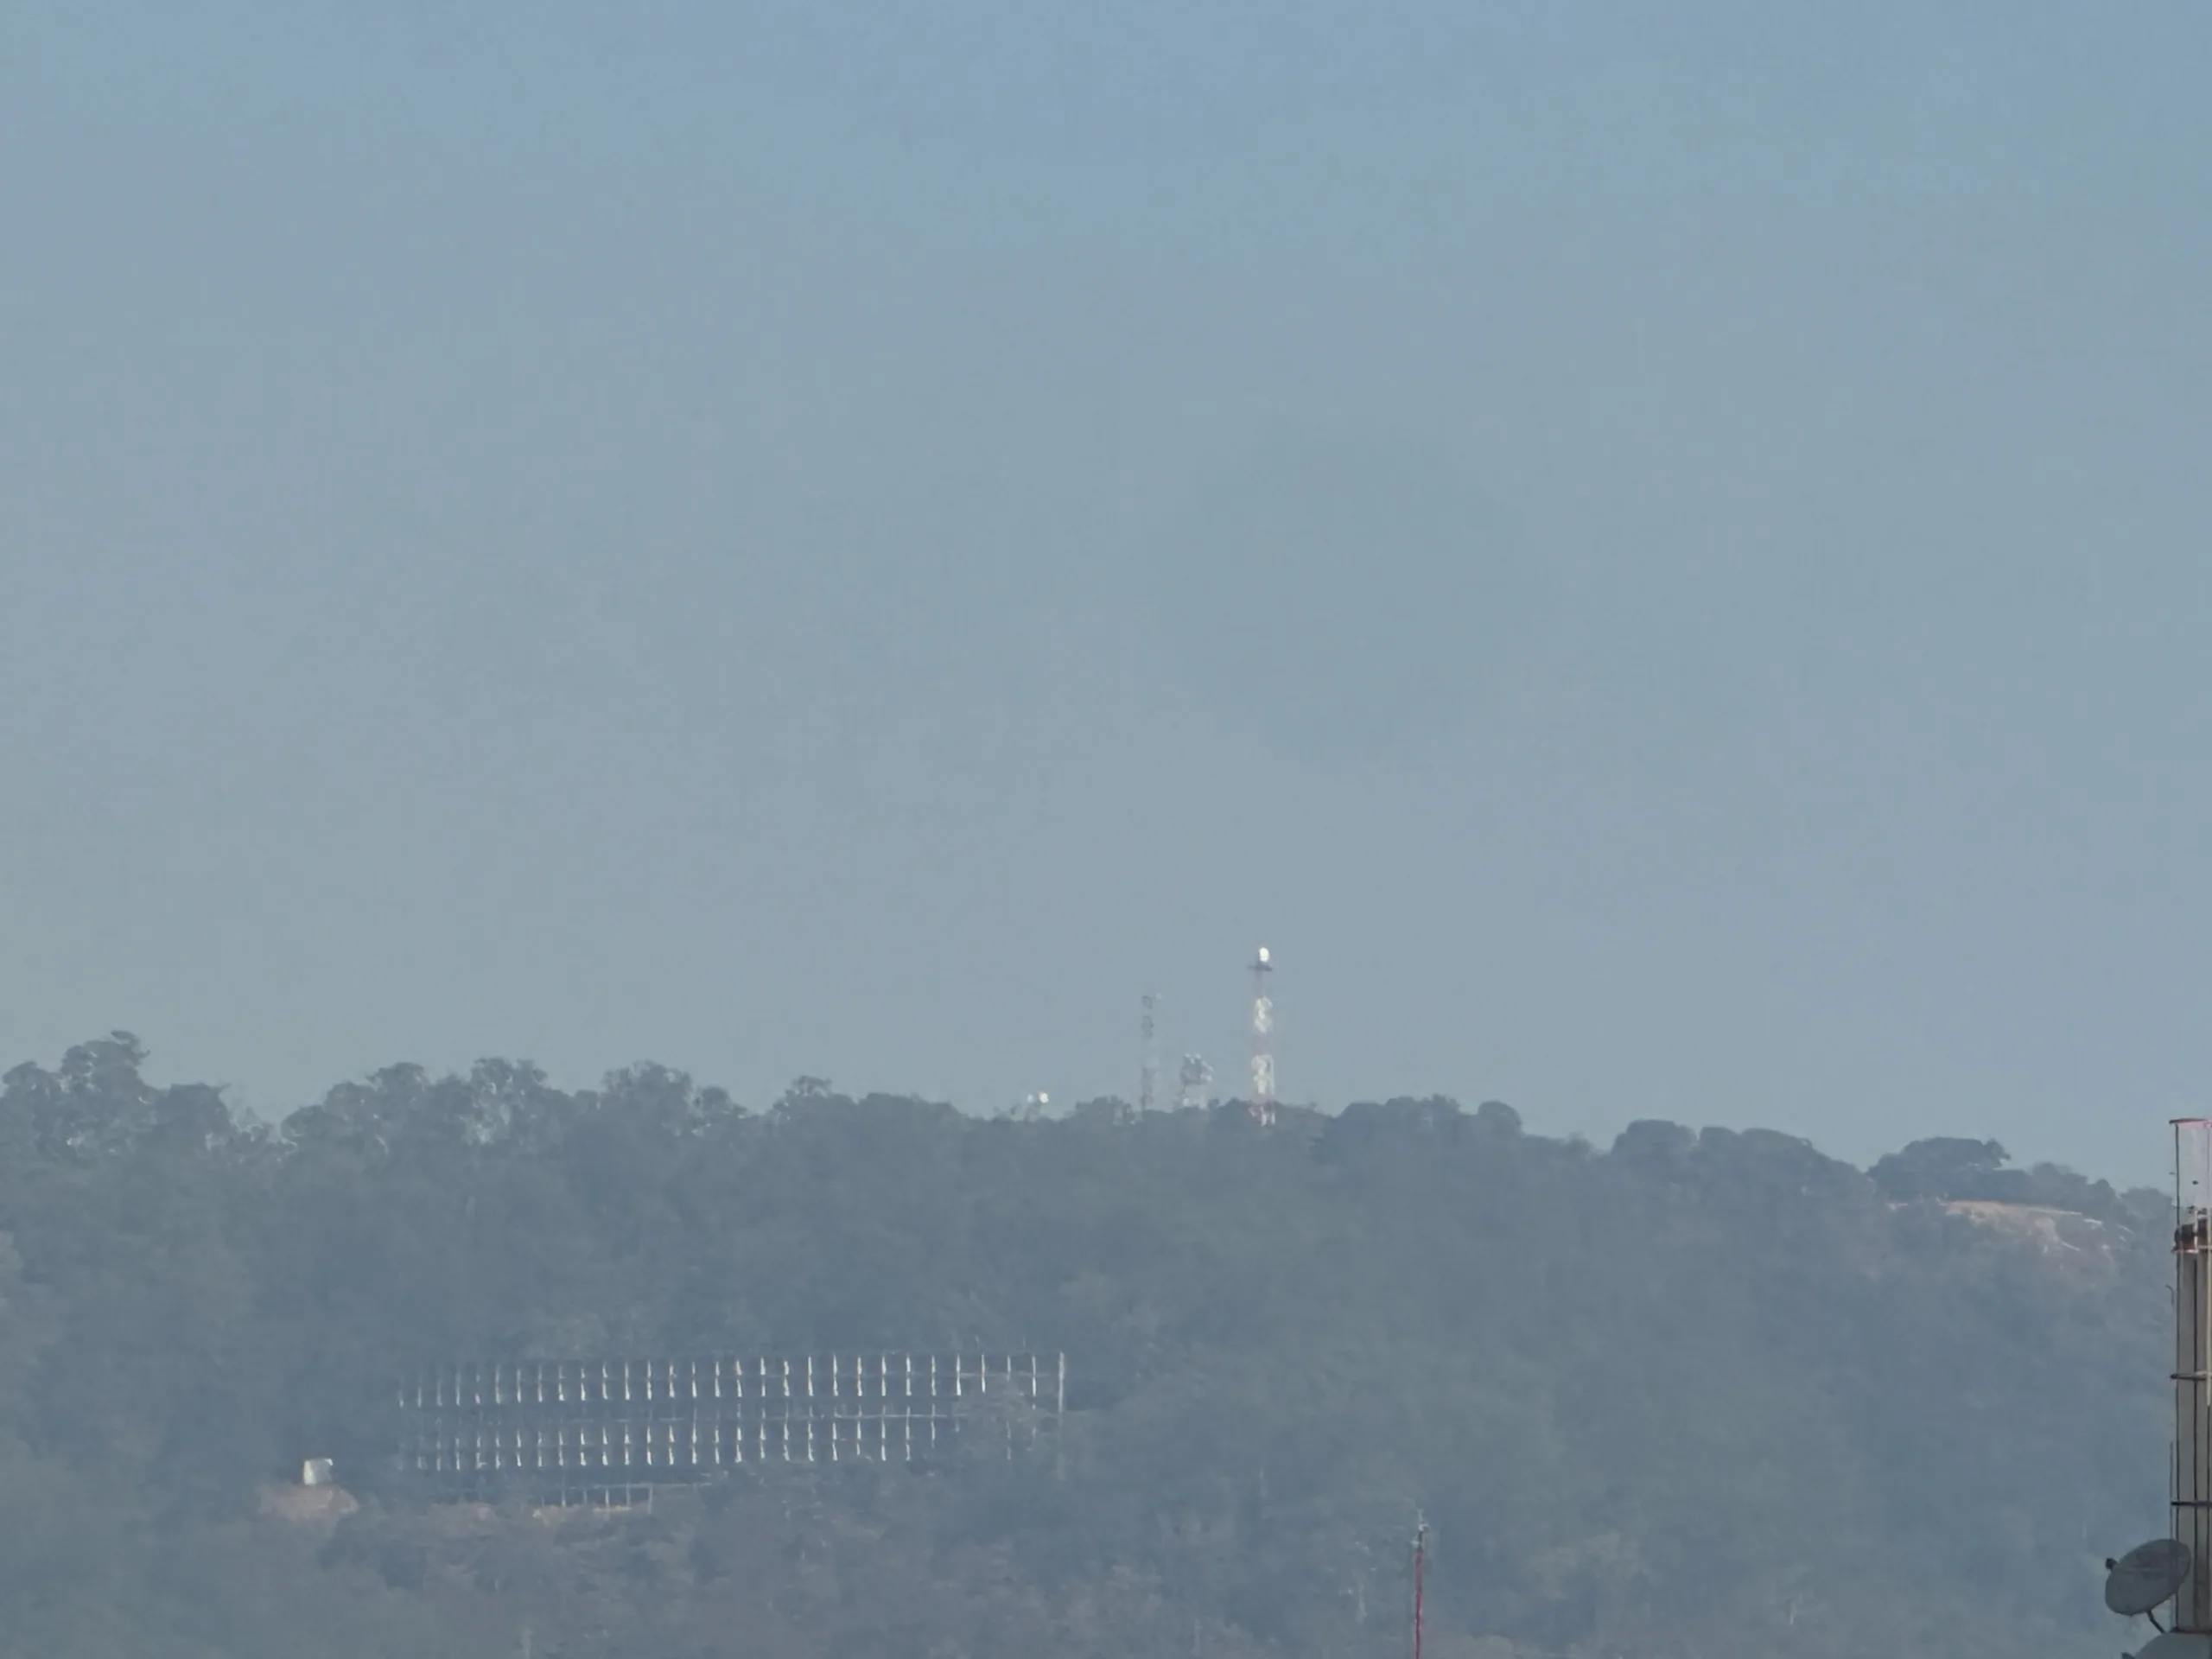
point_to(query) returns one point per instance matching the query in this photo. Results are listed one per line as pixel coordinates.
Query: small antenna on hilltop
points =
(1195, 1076)
(1263, 1040)
(1420, 1577)
(1149, 1079)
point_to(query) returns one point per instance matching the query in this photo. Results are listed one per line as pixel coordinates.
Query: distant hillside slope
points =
(1707, 1394)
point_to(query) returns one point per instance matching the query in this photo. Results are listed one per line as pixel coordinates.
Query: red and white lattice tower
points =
(1263, 1040)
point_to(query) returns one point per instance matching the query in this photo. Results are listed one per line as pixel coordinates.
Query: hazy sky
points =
(1656, 554)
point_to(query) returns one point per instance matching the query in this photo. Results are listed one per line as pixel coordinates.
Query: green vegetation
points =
(1701, 1393)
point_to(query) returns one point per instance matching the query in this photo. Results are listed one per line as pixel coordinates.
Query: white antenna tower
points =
(1263, 1041)
(1149, 1079)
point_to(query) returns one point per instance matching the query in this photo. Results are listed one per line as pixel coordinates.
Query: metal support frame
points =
(584, 1431)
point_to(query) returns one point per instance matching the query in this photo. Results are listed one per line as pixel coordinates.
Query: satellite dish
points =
(2146, 1576)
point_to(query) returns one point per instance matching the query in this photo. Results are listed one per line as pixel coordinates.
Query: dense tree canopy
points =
(1702, 1393)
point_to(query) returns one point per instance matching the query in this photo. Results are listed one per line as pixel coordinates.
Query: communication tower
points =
(1148, 1077)
(2178, 1568)
(1263, 1040)
(1194, 1078)
(1421, 1577)
(2192, 1499)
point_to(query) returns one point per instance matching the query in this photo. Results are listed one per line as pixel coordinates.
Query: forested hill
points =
(1701, 1393)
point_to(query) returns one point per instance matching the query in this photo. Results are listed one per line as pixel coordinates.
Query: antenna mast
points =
(2192, 1375)
(1420, 1575)
(2178, 1569)
(1149, 1079)
(1263, 1044)
(1195, 1076)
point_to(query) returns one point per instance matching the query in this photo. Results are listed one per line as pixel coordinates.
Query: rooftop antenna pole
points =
(2178, 1568)
(1420, 1575)
(1263, 1046)
(2192, 1499)
(1148, 1079)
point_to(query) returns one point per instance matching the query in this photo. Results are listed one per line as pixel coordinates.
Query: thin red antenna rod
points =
(1421, 1564)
